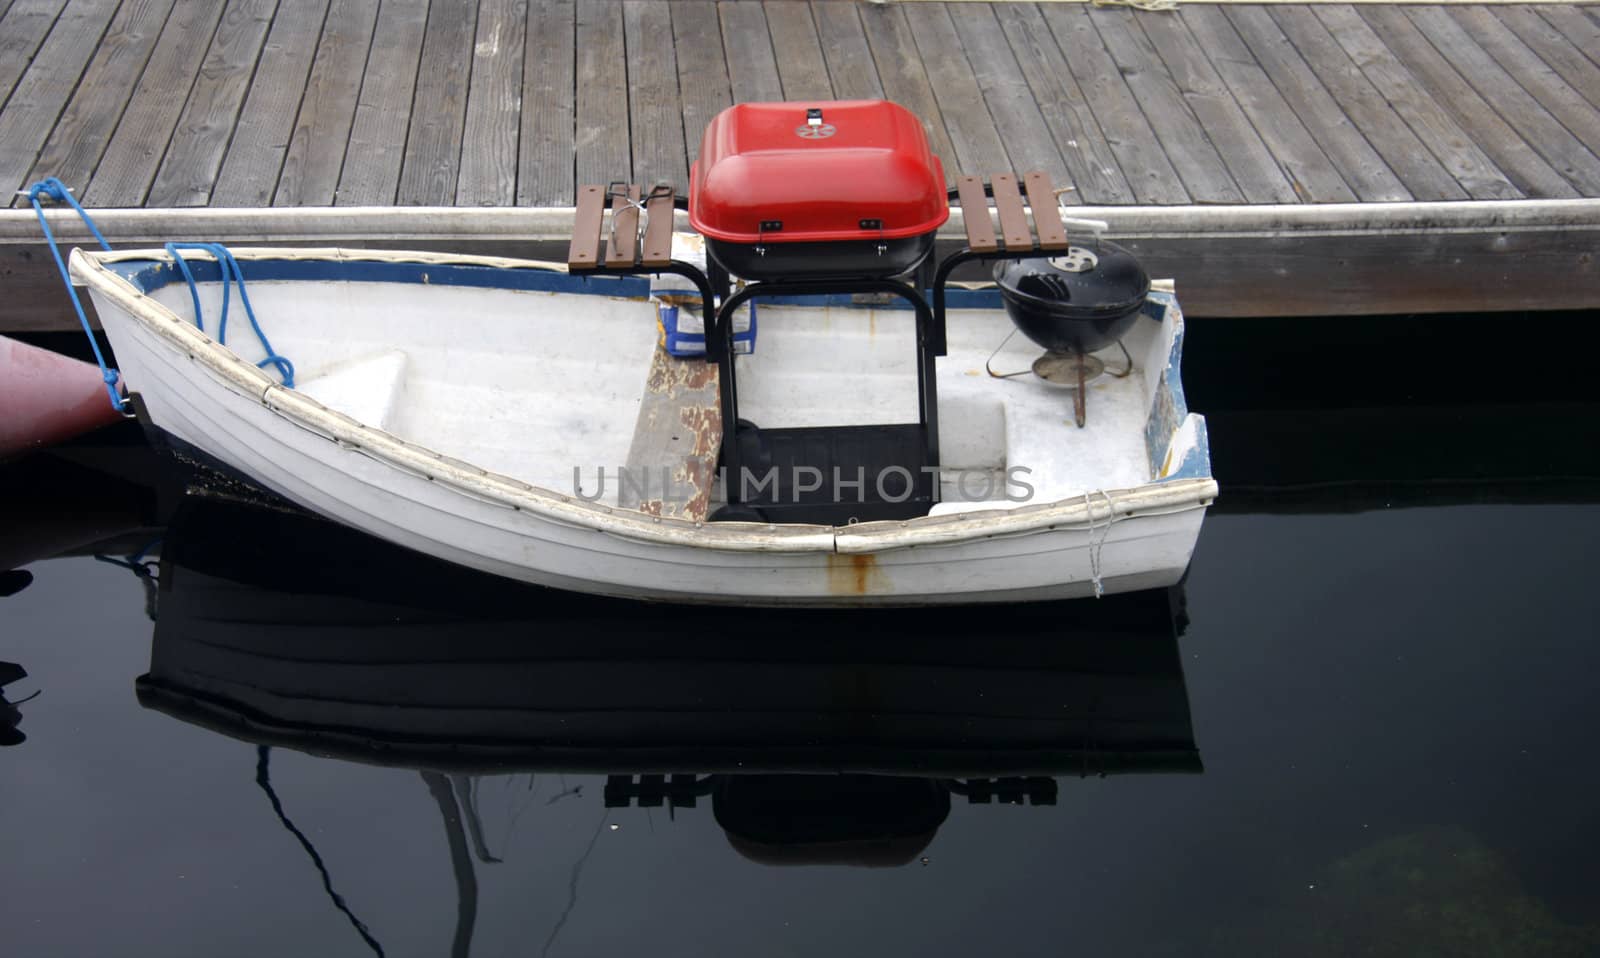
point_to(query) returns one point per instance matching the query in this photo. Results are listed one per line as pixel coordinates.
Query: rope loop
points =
(1149, 6)
(56, 191)
(1097, 536)
(231, 274)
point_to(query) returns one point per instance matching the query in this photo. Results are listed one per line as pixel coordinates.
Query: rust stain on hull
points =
(855, 575)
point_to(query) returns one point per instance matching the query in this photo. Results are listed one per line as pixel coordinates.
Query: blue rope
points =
(57, 191)
(137, 563)
(231, 274)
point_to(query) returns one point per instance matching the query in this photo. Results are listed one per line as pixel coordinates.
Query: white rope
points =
(1154, 6)
(1097, 546)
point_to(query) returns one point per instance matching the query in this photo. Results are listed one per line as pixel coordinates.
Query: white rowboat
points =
(467, 407)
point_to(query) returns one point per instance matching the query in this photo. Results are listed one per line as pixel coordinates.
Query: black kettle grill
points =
(1074, 304)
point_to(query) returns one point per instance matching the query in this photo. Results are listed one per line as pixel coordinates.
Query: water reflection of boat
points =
(817, 737)
(283, 628)
(10, 714)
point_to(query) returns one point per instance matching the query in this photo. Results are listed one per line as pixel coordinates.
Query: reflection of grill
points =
(1074, 305)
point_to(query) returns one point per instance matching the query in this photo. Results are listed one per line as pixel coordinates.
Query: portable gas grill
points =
(806, 199)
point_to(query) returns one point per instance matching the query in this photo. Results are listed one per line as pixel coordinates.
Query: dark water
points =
(1388, 677)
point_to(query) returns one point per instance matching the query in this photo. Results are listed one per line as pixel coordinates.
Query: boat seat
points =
(623, 247)
(364, 388)
(1015, 232)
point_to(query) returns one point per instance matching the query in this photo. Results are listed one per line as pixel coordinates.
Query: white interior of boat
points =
(535, 385)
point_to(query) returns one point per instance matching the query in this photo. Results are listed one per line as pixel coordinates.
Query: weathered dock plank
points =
(747, 44)
(1557, 50)
(1442, 136)
(1084, 150)
(1366, 108)
(370, 175)
(1311, 174)
(545, 151)
(655, 115)
(1578, 26)
(801, 70)
(977, 144)
(322, 128)
(1357, 162)
(1521, 163)
(78, 140)
(44, 89)
(1247, 158)
(194, 155)
(1521, 110)
(1144, 162)
(1182, 136)
(1028, 141)
(489, 138)
(702, 76)
(500, 102)
(844, 45)
(602, 98)
(1567, 105)
(903, 78)
(255, 157)
(432, 163)
(135, 150)
(22, 31)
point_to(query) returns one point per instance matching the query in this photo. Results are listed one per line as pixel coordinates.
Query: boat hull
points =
(46, 398)
(203, 395)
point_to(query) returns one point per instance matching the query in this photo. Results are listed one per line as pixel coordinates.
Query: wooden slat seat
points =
(658, 209)
(622, 251)
(584, 253)
(975, 214)
(623, 247)
(1013, 218)
(1017, 233)
(1046, 211)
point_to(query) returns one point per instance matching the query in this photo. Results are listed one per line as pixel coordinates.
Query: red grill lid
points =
(808, 172)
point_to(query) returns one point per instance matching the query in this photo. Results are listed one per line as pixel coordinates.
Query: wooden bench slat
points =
(1013, 218)
(658, 229)
(584, 253)
(975, 214)
(623, 248)
(1046, 211)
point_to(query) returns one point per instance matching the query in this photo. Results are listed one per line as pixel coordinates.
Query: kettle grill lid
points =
(1103, 278)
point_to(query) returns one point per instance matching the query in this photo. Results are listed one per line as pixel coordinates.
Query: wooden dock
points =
(1277, 158)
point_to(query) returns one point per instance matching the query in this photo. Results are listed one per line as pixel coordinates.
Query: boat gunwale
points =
(1082, 512)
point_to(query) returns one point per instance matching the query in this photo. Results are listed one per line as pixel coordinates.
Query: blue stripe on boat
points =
(151, 275)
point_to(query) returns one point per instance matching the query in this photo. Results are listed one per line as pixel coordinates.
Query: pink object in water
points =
(46, 397)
